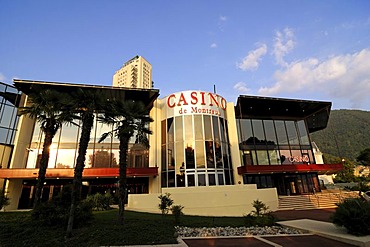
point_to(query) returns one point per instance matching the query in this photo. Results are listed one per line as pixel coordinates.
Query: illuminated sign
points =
(299, 159)
(195, 102)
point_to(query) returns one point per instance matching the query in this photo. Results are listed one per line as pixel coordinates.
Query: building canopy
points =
(316, 113)
(147, 96)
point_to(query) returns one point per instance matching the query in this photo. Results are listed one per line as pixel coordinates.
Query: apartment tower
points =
(135, 73)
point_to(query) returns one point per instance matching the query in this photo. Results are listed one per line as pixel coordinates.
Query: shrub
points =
(354, 215)
(100, 201)
(56, 212)
(177, 212)
(165, 203)
(4, 200)
(260, 216)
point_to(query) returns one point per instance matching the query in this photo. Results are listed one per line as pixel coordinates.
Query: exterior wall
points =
(233, 139)
(155, 144)
(230, 200)
(13, 189)
(143, 75)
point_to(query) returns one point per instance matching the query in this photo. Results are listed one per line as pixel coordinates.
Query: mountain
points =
(347, 134)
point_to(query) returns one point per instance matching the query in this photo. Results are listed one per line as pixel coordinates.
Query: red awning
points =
(268, 169)
(87, 173)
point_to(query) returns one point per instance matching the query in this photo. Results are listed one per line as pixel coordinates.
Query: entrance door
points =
(291, 186)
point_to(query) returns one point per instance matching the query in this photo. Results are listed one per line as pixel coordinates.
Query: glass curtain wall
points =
(64, 149)
(274, 142)
(9, 98)
(195, 151)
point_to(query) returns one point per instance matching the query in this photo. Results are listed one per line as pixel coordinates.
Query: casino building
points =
(214, 157)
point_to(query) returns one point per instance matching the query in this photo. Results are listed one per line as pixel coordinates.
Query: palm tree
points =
(84, 103)
(47, 108)
(128, 118)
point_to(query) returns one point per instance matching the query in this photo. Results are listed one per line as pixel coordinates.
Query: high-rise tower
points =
(135, 73)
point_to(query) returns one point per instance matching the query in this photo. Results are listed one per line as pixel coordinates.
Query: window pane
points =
(201, 180)
(6, 116)
(188, 129)
(258, 132)
(270, 133)
(216, 129)
(281, 132)
(262, 157)
(211, 179)
(274, 157)
(303, 133)
(180, 154)
(207, 127)
(292, 133)
(284, 157)
(221, 179)
(218, 155)
(199, 147)
(179, 129)
(189, 157)
(246, 131)
(198, 127)
(170, 130)
(191, 180)
(222, 130)
(210, 154)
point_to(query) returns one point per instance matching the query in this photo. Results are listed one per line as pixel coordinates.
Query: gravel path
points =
(234, 231)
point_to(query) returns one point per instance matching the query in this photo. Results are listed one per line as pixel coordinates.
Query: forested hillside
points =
(347, 134)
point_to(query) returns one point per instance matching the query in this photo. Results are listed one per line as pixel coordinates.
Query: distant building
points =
(135, 73)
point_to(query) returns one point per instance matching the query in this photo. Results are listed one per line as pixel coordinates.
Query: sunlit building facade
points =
(202, 147)
(135, 73)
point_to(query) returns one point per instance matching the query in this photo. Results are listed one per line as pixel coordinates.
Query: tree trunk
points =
(87, 124)
(122, 191)
(43, 166)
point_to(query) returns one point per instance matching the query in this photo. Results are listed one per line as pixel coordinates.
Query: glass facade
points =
(195, 151)
(274, 142)
(9, 98)
(265, 142)
(64, 149)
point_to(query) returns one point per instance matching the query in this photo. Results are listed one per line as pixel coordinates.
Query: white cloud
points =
(252, 60)
(241, 87)
(283, 44)
(2, 77)
(213, 45)
(223, 18)
(343, 76)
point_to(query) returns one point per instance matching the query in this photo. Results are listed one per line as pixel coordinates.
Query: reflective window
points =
(303, 133)
(198, 127)
(204, 148)
(179, 129)
(259, 135)
(281, 132)
(270, 133)
(292, 133)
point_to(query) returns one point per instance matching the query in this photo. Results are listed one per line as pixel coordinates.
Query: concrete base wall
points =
(229, 200)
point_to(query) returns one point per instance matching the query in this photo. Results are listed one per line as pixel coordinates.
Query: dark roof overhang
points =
(11, 94)
(147, 96)
(316, 113)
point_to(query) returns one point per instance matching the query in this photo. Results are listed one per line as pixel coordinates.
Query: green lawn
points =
(17, 229)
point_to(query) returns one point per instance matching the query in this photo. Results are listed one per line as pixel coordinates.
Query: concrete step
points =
(316, 201)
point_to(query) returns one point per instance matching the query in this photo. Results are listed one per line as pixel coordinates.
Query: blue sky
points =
(314, 49)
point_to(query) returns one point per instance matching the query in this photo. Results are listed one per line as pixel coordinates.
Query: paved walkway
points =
(316, 222)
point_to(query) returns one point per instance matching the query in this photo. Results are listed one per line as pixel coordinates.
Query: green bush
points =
(260, 216)
(177, 212)
(100, 201)
(354, 215)
(165, 203)
(4, 200)
(56, 212)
